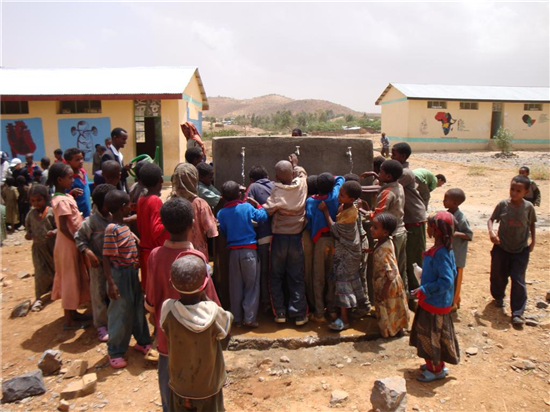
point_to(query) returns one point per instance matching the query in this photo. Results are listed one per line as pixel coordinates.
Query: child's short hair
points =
(325, 183)
(115, 200)
(393, 168)
(37, 173)
(40, 190)
(456, 195)
(377, 162)
(352, 189)
(403, 148)
(257, 172)
(101, 149)
(204, 169)
(187, 273)
(138, 167)
(110, 169)
(99, 193)
(10, 181)
(388, 221)
(45, 161)
(351, 176)
(58, 152)
(441, 177)
(230, 190)
(177, 215)
(312, 185)
(21, 180)
(193, 154)
(150, 175)
(525, 168)
(69, 153)
(524, 180)
(57, 171)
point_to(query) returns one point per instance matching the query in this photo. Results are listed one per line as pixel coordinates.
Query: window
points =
(437, 105)
(80, 106)
(532, 107)
(15, 107)
(468, 106)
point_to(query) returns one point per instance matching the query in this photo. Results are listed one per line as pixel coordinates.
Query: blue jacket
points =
(236, 223)
(438, 277)
(316, 221)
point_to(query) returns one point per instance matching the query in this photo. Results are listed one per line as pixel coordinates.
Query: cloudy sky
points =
(345, 53)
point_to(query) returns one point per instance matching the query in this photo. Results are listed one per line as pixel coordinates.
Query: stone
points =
(284, 359)
(63, 406)
(23, 275)
(523, 364)
(81, 387)
(50, 362)
(548, 296)
(472, 351)
(23, 386)
(542, 305)
(338, 396)
(21, 310)
(389, 394)
(485, 333)
(325, 386)
(261, 379)
(77, 368)
(545, 325)
(266, 361)
(500, 345)
(340, 365)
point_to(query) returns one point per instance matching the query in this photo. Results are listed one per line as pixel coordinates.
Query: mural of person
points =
(20, 138)
(84, 140)
(446, 120)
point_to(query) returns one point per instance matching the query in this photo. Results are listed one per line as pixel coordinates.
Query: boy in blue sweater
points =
(328, 188)
(244, 270)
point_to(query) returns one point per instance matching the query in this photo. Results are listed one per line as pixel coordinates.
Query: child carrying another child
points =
(390, 295)
(126, 314)
(433, 331)
(463, 234)
(80, 189)
(511, 250)
(89, 241)
(194, 327)
(40, 226)
(533, 194)
(71, 283)
(349, 291)
(244, 270)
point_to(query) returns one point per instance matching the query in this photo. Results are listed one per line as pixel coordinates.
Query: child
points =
(89, 241)
(390, 295)
(244, 270)
(41, 229)
(194, 156)
(110, 173)
(177, 217)
(385, 145)
(510, 254)
(533, 194)
(9, 196)
(307, 244)
(126, 314)
(149, 224)
(463, 234)
(347, 253)
(260, 190)
(328, 188)
(22, 198)
(194, 327)
(45, 165)
(205, 188)
(70, 283)
(287, 204)
(433, 331)
(58, 154)
(427, 182)
(80, 189)
(184, 185)
(30, 167)
(137, 190)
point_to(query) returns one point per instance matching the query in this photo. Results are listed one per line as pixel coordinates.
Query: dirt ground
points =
(483, 382)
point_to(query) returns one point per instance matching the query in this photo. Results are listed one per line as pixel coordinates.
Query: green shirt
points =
(426, 177)
(210, 194)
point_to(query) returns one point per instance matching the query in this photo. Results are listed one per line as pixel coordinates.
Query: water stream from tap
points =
(243, 155)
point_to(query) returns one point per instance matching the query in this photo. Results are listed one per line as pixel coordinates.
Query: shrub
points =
(503, 139)
(477, 170)
(539, 172)
(221, 133)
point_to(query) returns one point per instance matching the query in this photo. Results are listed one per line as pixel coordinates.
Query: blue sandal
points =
(425, 368)
(338, 325)
(428, 376)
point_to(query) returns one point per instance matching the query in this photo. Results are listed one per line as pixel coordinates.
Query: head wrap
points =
(184, 181)
(443, 224)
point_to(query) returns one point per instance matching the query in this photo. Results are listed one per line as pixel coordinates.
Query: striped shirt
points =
(120, 245)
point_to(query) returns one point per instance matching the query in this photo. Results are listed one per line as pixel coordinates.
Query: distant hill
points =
(223, 107)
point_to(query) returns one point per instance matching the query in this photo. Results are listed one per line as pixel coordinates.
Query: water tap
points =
(243, 149)
(297, 151)
(348, 153)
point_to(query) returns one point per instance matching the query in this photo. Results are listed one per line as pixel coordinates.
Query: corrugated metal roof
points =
(477, 93)
(99, 81)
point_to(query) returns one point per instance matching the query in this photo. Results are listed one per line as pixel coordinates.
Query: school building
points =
(441, 117)
(46, 109)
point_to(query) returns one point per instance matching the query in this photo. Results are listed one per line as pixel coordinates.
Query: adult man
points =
(427, 182)
(119, 136)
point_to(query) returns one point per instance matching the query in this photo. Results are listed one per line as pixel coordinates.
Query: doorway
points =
(496, 119)
(153, 138)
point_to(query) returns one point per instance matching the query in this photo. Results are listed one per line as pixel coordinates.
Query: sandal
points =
(338, 325)
(117, 363)
(425, 368)
(428, 376)
(37, 306)
(149, 353)
(102, 334)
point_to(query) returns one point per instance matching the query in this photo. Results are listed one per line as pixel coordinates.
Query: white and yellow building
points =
(46, 109)
(442, 117)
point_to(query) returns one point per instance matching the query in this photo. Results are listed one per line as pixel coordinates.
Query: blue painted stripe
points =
(402, 99)
(191, 100)
(457, 140)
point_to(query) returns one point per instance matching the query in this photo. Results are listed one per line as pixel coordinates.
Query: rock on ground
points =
(23, 386)
(389, 394)
(50, 362)
(472, 351)
(63, 406)
(338, 396)
(523, 364)
(542, 305)
(284, 359)
(77, 368)
(80, 387)
(21, 310)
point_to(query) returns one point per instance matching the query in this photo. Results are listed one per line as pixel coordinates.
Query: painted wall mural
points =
(446, 120)
(84, 134)
(461, 126)
(423, 126)
(22, 136)
(528, 120)
(543, 118)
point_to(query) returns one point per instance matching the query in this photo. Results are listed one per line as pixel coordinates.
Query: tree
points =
(503, 139)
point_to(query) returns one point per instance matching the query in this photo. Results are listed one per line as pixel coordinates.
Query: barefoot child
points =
(194, 327)
(349, 292)
(533, 194)
(126, 314)
(510, 254)
(433, 331)
(390, 296)
(71, 283)
(89, 241)
(40, 226)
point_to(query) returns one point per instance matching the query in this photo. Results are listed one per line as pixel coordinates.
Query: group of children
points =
(296, 245)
